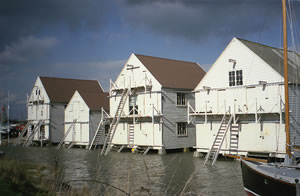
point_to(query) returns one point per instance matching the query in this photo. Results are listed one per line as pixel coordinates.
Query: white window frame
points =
(231, 78)
(239, 77)
(235, 78)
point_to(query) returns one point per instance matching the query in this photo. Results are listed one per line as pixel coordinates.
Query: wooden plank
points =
(246, 158)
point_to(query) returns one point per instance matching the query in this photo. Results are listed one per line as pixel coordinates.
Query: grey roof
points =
(274, 57)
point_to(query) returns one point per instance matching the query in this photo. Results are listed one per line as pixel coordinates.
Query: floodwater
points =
(137, 174)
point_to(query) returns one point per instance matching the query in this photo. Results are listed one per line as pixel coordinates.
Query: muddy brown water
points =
(136, 174)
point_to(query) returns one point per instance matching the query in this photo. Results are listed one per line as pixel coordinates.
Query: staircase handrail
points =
(96, 132)
(210, 149)
(116, 120)
(22, 133)
(227, 127)
(67, 133)
(31, 136)
(111, 135)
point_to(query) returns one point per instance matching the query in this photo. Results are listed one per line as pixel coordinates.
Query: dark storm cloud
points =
(24, 18)
(24, 51)
(200, 19)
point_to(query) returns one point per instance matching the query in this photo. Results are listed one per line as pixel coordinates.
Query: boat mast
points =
(286, 90)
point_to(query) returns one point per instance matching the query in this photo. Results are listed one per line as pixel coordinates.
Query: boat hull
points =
(258, 183)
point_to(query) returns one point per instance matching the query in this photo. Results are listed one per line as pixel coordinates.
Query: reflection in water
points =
(171, 174)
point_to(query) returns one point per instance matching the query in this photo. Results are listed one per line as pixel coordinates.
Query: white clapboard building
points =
(84, 115)
(148, 104)
(239, 107)
(46, 108)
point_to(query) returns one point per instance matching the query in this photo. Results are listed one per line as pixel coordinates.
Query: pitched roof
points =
(274, 57)
(173, 73)
(96, 100)
(60, 90)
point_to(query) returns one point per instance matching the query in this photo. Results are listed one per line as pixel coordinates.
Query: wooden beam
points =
(246, 158)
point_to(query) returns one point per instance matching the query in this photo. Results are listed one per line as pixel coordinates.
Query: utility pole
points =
(8, 124)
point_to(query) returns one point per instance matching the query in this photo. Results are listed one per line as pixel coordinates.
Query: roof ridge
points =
(272, 47)
(258, 43)
(164, 58)
(66, 78)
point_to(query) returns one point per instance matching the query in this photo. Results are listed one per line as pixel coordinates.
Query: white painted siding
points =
(121, 134)
(253, 137)
(254, 68)
(38, 107)
(38, 110)
(77, 109)
(135, 77)
(241, 100)
(214, 96)
(145, 132)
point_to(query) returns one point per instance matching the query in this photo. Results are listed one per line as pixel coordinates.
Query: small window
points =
(232, 78)
(239, 77)
(133, 107)
(39, 92)
(180, 98)
(106, 129)
(71, 108)
(36, 92)
(235, 78)
(181, 129)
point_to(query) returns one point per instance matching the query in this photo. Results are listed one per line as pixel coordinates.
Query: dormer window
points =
(236, 78)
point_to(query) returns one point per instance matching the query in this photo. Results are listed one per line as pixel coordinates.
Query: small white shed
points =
(83, 115)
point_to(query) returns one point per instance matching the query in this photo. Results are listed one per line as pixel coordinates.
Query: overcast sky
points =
(92, 39)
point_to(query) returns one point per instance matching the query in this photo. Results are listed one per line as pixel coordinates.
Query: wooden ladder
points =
(107, 143)
(66, 135)
(96, 139)
(33, 133)
(21, 136)
(219, 139)
(234, 139)
(131, 136)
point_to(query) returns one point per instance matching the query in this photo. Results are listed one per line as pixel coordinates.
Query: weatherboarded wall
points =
(174, 113)
(264, 137)
(294, 94)
(57, 114)
(95, 117)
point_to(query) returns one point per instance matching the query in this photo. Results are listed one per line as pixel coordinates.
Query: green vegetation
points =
(22, 178)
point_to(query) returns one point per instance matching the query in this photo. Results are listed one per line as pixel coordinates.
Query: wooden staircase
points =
(234, 139)
(71, 127)
(21, 136)
(213, 152)
(99, 131)
(33, 132)
(107, 143)
(131, 136)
